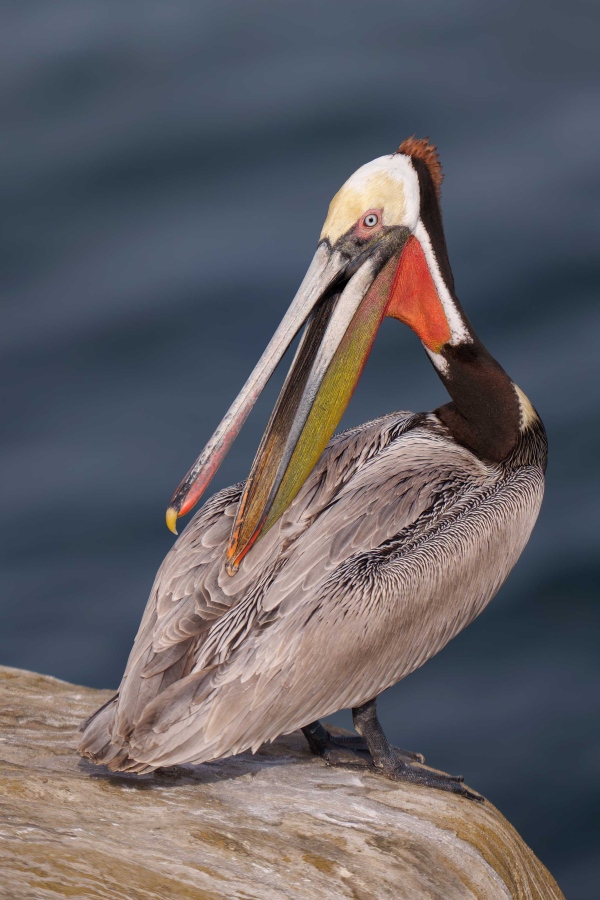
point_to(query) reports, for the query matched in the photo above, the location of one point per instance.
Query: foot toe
(415, 774)
(347, 756)
(409, 755)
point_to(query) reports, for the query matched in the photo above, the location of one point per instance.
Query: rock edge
(277, 825)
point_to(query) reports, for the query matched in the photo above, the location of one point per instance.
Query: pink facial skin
(366, 231)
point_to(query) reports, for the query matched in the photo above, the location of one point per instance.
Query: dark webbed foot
(356, 742)
(413, 773)
(347, 749)
(390, 764)
(372, 750)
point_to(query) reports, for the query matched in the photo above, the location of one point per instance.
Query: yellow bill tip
(171, 519)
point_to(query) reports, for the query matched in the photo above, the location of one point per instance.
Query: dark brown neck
(484, 414)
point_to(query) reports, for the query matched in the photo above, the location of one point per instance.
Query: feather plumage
(399, 537)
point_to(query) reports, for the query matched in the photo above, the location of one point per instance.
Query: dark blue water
(166, 168)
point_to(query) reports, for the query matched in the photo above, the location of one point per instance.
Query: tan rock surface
(280, 824)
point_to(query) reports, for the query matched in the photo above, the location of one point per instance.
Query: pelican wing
(179, 611)
(399, 537)
(191, 591)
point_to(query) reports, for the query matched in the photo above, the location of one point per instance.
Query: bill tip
(171, 519)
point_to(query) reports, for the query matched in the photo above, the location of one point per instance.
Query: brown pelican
(342, 564)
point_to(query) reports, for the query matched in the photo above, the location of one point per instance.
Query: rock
(280, 824)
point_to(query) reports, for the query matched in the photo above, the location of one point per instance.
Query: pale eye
(371, 220)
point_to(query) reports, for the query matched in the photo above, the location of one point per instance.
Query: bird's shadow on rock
(286, 751)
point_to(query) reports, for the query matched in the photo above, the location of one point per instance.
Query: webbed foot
(347, 749)
(370, 749)
(398, 769)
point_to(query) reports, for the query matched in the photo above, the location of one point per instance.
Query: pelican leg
(394, 764)
(346, 749)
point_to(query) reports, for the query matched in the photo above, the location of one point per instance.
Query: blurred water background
(166, 168)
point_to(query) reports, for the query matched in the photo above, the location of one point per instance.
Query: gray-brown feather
(397, 540)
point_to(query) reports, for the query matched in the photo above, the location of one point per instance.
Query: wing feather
(373, 567)
(256, 648)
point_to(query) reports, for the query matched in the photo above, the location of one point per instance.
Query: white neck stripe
(459, 333)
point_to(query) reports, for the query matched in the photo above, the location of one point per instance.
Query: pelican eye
(371, 220)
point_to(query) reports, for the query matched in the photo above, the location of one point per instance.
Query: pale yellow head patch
(388, 183)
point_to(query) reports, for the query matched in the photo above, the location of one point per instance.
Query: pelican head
(381, 252)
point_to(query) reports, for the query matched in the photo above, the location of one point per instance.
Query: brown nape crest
(423, 149)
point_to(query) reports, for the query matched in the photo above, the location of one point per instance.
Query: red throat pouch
(414, 298)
